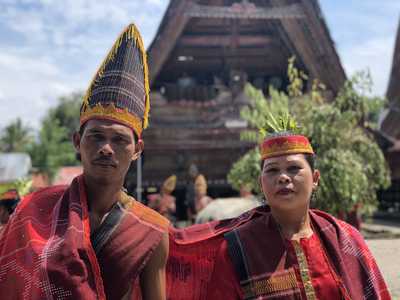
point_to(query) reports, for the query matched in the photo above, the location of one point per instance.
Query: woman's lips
(285, 191)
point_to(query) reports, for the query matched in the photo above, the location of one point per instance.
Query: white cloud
(51, 48)
(156, 2)
(29, 87)
(364, 33)
(374, 54)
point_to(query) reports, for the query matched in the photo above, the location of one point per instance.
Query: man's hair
(82, 130)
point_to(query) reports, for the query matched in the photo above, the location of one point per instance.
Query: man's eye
(119, 140)
(96, 136)
(271, 170)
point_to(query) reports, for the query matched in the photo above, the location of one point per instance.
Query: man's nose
(106, 149)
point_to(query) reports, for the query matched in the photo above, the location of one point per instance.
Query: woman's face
(287, 181)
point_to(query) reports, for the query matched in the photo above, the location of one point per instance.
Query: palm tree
(15, 137)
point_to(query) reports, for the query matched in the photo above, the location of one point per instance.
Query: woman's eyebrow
(271, 164)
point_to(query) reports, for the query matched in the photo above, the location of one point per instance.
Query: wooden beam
(245, 10)
(224, 41)
(268, 65)
(312, 43)
(166, 39)
(273, 49)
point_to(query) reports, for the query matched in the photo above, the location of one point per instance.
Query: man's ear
(139, 147)
(76, 140)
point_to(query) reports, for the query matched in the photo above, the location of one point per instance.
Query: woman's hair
(310, 158)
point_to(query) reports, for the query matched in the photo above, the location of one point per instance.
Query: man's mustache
(104, 160)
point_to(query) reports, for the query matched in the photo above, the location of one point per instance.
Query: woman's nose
(283, 178)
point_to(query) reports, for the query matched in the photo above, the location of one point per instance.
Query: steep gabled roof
(393, 90)
(298, 23)
(391, 123)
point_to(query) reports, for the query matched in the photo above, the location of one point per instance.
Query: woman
(287, 250)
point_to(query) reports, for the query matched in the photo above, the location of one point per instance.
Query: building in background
(200, 59)
(65, 175)
(390, 130)
(15, 172)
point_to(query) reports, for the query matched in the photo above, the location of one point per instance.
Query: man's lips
(284, 191)
(104, 163)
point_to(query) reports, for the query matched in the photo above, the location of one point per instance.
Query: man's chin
(104, 177)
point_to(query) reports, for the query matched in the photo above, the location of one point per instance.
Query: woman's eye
(271, 170)
(293, 168)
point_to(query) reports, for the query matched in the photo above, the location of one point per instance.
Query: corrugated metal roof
(65, 175)
(14, 166)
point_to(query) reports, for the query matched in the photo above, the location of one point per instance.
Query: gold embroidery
(304, 272)
(113, 113)
(286, 148)
(275, 283)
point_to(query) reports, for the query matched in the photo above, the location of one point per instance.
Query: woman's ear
(316, 178)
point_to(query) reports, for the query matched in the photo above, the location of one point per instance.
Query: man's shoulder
(46, 195)
(145, 213)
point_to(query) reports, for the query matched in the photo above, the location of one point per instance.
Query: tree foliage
(352, 165)
(15, 137)
(245, 171)
(54, 147)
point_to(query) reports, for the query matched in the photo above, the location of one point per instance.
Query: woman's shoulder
(328, 223)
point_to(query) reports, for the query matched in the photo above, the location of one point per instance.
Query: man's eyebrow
(94, 130)
(123, 134)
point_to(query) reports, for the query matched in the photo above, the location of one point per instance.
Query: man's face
(107, 150)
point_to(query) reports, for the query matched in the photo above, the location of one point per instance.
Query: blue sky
(50, 48)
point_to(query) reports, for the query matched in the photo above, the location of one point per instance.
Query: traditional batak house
(390, 130)
(202, 55)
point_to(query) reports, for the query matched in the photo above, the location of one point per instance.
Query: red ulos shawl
(46, 251)
(193, 253)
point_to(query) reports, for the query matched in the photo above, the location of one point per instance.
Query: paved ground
(387, 255)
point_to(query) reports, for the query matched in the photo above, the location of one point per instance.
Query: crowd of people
(91, 240)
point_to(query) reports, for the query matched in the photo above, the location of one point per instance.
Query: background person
(164, 203)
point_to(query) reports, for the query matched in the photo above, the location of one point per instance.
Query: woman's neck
(293, 225)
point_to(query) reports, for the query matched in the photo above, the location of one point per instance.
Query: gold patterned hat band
(119, 90)
(285, 144)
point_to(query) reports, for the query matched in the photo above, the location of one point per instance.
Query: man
(164, 202)
(90, 240)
